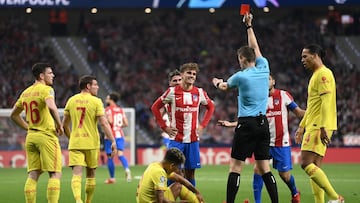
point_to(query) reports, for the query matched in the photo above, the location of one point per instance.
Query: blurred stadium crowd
(140, 52)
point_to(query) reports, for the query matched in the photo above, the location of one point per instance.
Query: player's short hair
(173, 73)
(247, 52)
(316, 49)
(271, 75)
(175, 156)
(39, 68)
(114, 96)
(85, 80)
(189, 66)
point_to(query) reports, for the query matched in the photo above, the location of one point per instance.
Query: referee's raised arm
(252, 41)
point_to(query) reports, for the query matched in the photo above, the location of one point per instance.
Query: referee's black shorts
(251, 136)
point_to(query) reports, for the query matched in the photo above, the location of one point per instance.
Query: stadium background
(131, 49)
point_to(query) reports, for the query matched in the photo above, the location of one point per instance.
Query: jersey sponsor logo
(186, 109)
(273, 113)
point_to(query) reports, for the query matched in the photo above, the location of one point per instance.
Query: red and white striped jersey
(184, 111)
(167, 121)
(117, 114)
(277, 114)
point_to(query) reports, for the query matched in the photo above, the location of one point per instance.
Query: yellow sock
(186, 194)
(319, 177)
(76, 187)
(90, 189)
(30, 190)
(317, 192)
(53, 190)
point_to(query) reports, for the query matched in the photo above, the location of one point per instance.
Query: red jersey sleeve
(155, 108)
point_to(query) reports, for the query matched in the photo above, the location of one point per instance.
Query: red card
(244, 9)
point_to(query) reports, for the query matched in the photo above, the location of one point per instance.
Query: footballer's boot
(296, 198)
(128, 175)
(339, 200)
(110, 181)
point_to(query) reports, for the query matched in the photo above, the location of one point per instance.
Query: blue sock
(111, 167)
(292, 186)
(169, 182)
(124, 162)
(257, 187)
(192, 181)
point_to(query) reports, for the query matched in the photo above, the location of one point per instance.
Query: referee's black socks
(271, 187)
(232, 187)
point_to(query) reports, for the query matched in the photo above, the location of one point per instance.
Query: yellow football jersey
(38, 116)
(321, 102)
(154, 178)
(83, 109)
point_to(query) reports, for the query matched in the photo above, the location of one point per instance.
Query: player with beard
(319, 122)
(43, 126)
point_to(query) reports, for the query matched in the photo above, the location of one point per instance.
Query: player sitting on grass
(153, 184)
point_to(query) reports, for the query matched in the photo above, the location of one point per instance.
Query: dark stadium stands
(139, 52)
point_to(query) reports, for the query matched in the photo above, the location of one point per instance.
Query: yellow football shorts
(312, 142)
(84, 157)
(43, 152)
(168, 194)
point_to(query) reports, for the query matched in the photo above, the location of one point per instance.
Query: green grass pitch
(211, 181)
